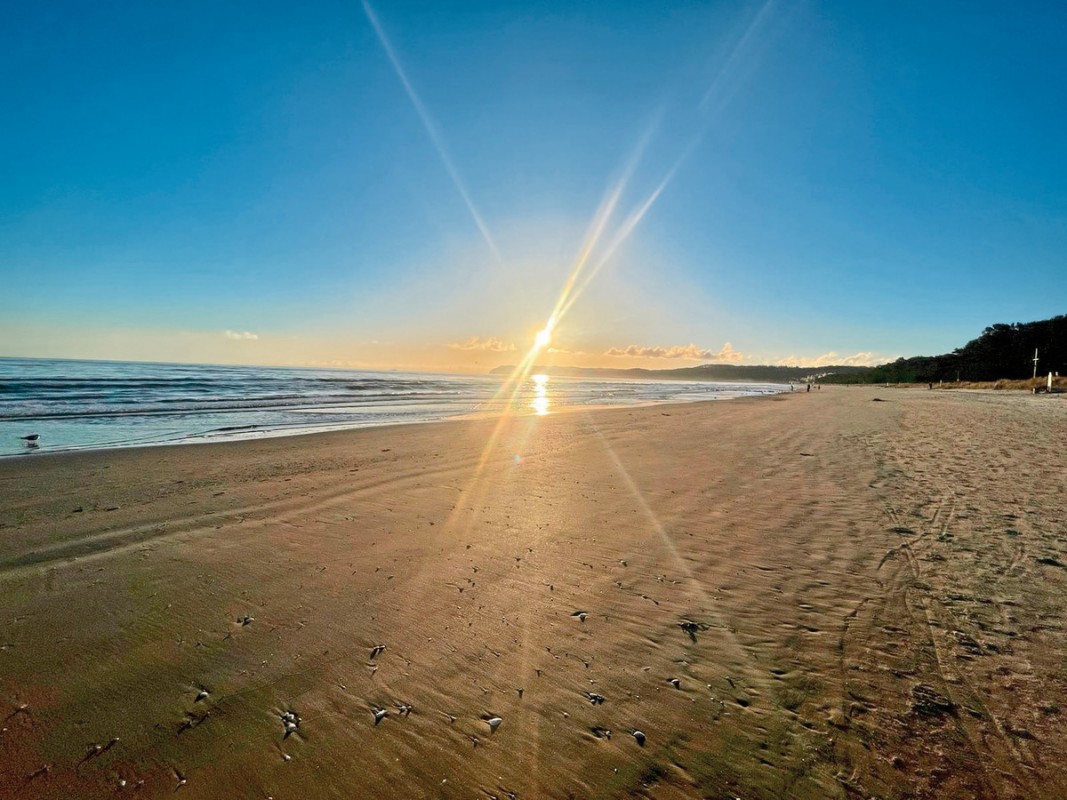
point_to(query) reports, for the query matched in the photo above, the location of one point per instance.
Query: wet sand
(807, 596)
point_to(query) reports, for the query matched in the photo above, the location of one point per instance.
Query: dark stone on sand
(967, 642)
(928, 702)
(691, 628)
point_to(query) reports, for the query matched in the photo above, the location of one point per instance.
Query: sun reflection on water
(540, 402)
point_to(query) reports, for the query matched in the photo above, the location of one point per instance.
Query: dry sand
(856, 599)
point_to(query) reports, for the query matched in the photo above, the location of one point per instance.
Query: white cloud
(241, 335)
(689, 352)
(491, 343)
(834, 359)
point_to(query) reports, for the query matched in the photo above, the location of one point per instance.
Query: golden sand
(811, 596)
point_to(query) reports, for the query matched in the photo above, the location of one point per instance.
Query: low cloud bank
(490, 344)
(241, 336)
(689, 352)
(835, 359)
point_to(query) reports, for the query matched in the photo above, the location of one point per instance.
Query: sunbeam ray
(693, 583)
(715, 93)
(431, 131)
(572, 290)
(597, 226)
(625, 230)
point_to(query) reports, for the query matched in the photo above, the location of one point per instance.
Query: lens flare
(432, 131)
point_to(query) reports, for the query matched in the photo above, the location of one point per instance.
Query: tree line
(1002, 351)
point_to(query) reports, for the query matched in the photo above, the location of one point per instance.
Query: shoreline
(282, 433)
(813, 596)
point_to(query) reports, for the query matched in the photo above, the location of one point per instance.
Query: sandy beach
(857, 592)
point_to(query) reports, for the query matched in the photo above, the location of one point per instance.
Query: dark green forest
(1002, 351)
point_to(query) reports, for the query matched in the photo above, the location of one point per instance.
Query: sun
(544, 336)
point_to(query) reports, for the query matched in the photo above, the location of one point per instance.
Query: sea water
(75, 405)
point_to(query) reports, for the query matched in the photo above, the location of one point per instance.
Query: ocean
(76, 405)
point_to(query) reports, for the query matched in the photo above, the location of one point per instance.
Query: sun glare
(543, 339)
(540, 402)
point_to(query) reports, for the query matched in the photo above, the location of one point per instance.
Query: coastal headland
(852, 592)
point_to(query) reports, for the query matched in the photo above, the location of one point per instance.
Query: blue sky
(254, 183)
